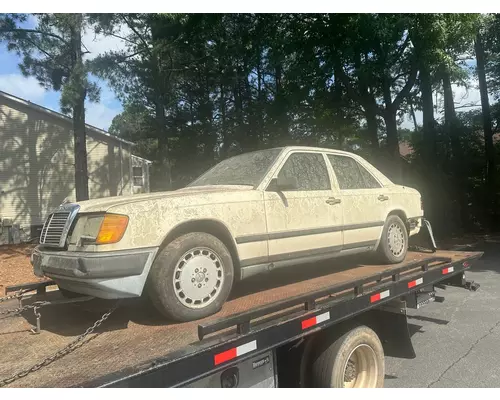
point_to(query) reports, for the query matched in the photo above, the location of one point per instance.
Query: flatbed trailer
(281, 330)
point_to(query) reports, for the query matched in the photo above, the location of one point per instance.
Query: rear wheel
(394, 241)
(352, 360)
(192, 277)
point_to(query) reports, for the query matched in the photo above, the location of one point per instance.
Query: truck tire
(191, 278)
(394, 241)
(352, 360)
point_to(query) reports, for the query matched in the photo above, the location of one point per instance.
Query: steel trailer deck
(136, 347)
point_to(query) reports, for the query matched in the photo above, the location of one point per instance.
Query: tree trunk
(161, 79)
(429, 133)
(222, 106)
(391, 124)
(452, 128)
(413, 116)
(282, 118)
(79, 134)
(488, 131)
(35, 208)
(372, 127)
(392, 133)
(450, 116)
(260, 106)
(163, 148)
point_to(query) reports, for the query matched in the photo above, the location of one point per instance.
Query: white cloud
(99, 115)
(20, 86)
(99, 44)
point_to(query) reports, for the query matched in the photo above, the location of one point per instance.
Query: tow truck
(331, 328)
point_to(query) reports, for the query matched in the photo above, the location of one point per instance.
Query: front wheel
(394, 241)
(191, 278)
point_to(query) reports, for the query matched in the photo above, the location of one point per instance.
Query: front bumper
(108, 275)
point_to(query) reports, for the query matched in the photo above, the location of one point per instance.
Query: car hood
(104, 204)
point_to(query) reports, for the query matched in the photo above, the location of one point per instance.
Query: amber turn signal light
(112, 228)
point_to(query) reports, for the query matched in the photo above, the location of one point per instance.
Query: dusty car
(247, 215)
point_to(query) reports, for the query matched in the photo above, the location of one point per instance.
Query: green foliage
(197, 88)
(47, 53)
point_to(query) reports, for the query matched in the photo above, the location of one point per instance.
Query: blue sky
(13, 82)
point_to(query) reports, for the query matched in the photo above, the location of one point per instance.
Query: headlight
(112, 228)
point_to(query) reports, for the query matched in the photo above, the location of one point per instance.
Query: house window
(138, 178)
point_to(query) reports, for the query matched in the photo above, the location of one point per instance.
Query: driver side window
(309, 169)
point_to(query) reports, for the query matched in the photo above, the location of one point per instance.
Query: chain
(15, 295)
(78, 342)
(16, 311)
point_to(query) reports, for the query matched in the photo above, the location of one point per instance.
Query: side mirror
(282, 183)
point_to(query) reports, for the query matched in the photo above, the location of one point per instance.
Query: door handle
(383, 197)
(332, 201)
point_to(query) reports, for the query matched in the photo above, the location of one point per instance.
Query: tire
(354, 359)
(183, 273)
(393, 251)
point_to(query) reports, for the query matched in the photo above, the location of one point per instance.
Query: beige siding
(105, 167)
(98, 167)
(127, 170)
(36, 171)
(37, 164)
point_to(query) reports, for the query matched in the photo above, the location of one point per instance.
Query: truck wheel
(394, 241)
(353, 360)
(191, 278)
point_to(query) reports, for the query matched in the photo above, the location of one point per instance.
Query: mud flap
(391, 326)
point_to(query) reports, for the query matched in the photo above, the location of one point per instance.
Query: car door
(364, 202)
(304, 221)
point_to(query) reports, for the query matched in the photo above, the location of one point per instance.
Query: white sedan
(247, 215)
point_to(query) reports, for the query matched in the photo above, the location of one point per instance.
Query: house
(37, 165)
(140, 174)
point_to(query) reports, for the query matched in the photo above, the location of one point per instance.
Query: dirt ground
(15, 267)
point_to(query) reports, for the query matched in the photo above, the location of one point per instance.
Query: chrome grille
(56, 227)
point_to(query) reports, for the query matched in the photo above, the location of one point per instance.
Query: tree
(238, 82)
(481, 61)
(142, 72)
(377, 68)
(53, 53)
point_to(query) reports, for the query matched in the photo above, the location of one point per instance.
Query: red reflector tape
(307, 323)
(379, 296)
(447, 270)
(416, 282)
(235, 352)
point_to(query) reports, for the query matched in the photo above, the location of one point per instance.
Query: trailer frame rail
(296, 317)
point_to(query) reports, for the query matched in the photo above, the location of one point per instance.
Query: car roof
(322, 149)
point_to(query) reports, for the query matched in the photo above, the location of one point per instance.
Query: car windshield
(245, 169)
